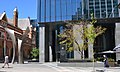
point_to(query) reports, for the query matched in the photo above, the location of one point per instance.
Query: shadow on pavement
(114, 68)
(7, 67)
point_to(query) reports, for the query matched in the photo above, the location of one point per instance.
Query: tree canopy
(79, 34)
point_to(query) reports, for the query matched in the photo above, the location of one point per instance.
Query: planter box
(111, 64)
(33, 60)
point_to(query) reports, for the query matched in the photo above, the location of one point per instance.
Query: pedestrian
(6, 61)
(105, 61)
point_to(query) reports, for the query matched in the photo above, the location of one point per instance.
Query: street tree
(78, 35)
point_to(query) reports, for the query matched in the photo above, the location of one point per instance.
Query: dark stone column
(46, 43)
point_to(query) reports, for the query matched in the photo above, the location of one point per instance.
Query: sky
(26, 8)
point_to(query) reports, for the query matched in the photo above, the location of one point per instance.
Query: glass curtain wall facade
(103, 8)
(62, 10)
(57, 10)
(100, 8)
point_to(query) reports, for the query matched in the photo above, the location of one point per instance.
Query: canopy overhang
(101, 21)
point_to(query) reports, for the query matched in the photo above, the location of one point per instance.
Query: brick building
(19, 27)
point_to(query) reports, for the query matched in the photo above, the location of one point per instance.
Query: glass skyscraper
(57, 10)
(103, 8)
(52, 13)
(100, 8)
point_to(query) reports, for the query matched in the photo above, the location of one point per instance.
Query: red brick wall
(9, 47)
(26, 50)
(1, 48)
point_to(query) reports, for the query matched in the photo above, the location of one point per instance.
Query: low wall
(82, 64)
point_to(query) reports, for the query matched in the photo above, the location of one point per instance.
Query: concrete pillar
(117, 39)
(41, 44)
(50, 54)
(19, 50)
(90, 51)
(77, 56)
(50, 43)
(47, 43)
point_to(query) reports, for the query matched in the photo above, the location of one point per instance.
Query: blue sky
(25, 8)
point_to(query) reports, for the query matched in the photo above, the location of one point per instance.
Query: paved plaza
(52, 67)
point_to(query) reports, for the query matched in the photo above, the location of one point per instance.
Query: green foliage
(92, 32)
(99, 59)
(111, 60)
(85, 31)
(67, 38)
(35, 53)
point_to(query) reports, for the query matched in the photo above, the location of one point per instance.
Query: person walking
(6, 62)
(105, 61)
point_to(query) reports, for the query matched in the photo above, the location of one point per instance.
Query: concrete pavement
(52, 67)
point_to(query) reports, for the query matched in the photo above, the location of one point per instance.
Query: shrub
(35, 53)
(111, 60)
